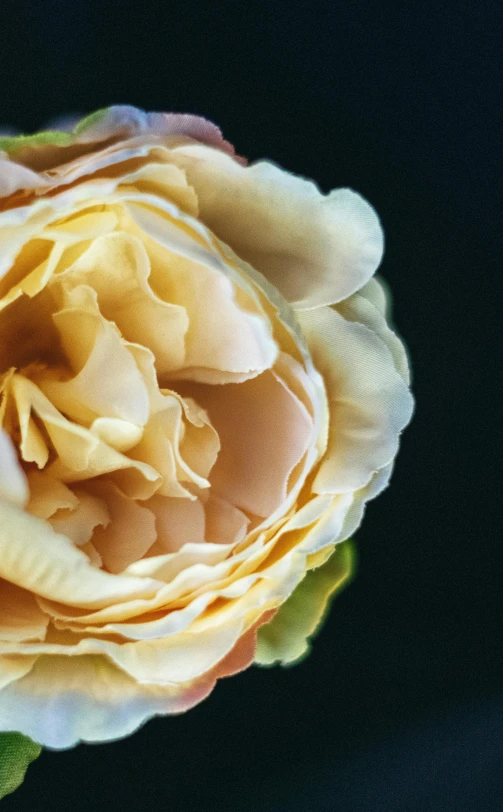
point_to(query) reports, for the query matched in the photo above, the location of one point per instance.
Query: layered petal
(315, 249)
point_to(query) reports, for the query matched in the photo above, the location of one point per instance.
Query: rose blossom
(200, 391)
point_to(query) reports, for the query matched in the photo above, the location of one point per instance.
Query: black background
(400, 705)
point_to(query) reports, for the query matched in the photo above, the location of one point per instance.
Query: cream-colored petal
(33, 282)
(361, 308)
(165, 180)
(117, 267)
(377, 294)
(193, 278)
(106, 381)
(79, 522)
(120, 434)
(195, 570)
(84, 226)
(13, 668)
(36, 558)
(316, 249)
(14, 177)
(168, 565)
(20, 615)
(80, 454)
(264, 431)
(369, 401)
(48, 495)
(162, 446)
(92, 553)
(13, 482)
(199, 444)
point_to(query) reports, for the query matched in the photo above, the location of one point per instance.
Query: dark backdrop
(400, 705)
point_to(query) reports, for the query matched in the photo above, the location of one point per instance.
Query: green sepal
(91, 120)
(49, 137)
(16, 754)
(55, 138)
(286, 639)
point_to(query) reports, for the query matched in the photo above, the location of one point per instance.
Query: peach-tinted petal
(178, 522)
(20, 615)
(225, 524)
(128, 535)
(264, 431)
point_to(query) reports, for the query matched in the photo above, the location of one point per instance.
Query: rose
(200, 391)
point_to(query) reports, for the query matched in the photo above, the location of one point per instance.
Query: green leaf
(286, 639)
(16, 753)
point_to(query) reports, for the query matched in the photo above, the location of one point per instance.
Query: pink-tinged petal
(126, 121)
(315, 249)
(242, 655)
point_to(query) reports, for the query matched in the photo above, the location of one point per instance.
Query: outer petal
(316, 249)
(369, 307)
(64, 700)
(369, 401)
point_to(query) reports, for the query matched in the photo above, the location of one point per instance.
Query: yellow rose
(199, 393)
